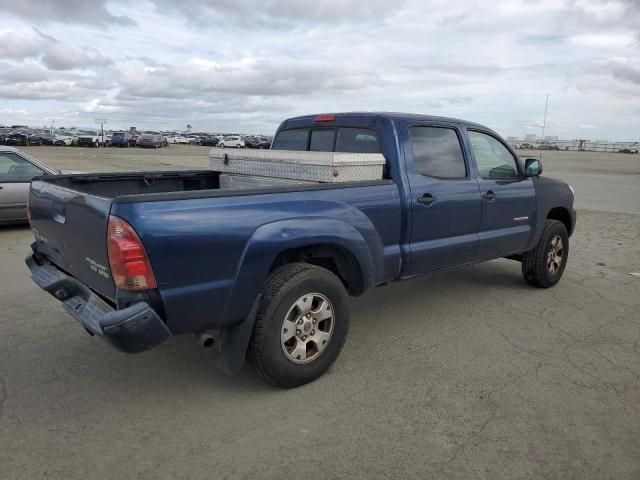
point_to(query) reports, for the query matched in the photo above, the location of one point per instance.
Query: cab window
(437, 152)
(494, 160)
(322, 140)
(341, 139)
(357, 140)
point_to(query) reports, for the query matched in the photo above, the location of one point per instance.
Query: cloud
(33, 44)
(248, 77)
(247, 64)
(275, 11)
(626, 72)
(65, 11)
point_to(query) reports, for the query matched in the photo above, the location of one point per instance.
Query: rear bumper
(133, 329)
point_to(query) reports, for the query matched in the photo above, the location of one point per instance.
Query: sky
(246, 65)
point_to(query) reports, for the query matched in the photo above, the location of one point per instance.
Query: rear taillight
(130, 266)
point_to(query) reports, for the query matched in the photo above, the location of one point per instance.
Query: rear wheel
(301, 325)
(544, 265)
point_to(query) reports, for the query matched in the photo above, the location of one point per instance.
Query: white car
(89, 138)
(65, 139)
(177, 139)
(232, 141)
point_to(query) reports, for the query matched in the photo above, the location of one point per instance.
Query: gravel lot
(466, 374)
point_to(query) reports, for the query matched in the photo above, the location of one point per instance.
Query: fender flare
(261, 250)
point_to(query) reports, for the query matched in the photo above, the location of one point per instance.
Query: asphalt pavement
(466, 374)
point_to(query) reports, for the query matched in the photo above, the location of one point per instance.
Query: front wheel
(301, 325)
(544, 265)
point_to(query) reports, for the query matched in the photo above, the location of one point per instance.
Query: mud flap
(234, 342)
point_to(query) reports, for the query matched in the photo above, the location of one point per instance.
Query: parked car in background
(24, 137)
(177, 140)
(628, 150)
(16, 171)
(262, 143)
(66, 139)
(48, 136)
(89, 138)
(151, 141)
(123, 139)
(527, 146)
(233, 141)
(209, 140)
(549, 146)
(4, 133)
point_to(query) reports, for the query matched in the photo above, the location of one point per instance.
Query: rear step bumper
(132, 329)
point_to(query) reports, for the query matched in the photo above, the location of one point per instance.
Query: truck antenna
(544, 122)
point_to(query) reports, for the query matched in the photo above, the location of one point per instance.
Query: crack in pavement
(483, 426)
(3, 396)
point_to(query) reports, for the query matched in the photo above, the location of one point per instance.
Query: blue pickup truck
(266, 274)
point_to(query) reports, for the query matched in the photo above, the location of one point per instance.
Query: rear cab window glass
(322, 140)
(357, 140)
(346, 139)
(437, 152)
(295, 139)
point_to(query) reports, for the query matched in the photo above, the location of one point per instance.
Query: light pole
(102, 122)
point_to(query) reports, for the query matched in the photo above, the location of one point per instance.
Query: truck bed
(173, 185)
(112, 185)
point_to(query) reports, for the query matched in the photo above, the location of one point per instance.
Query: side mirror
(532, 167)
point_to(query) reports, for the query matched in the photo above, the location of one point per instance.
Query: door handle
(427, 199)
(489, 196)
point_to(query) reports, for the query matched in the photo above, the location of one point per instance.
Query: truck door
(508, 197)
(445, 199)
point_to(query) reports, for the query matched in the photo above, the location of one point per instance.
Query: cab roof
(370, 117)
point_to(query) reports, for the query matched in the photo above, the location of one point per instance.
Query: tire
(222, 145)
(238, 146)
(544, 265)
(276, 359)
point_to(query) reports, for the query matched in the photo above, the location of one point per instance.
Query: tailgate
(70, 228)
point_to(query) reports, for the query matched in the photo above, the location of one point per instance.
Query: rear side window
(295, 139)
(357, 140)
(437, 152)
(322, 140)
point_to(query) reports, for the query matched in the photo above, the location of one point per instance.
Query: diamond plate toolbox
(230, 181)
(327, 167)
